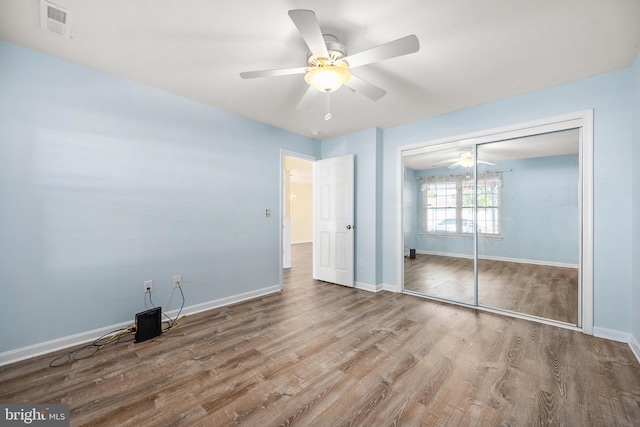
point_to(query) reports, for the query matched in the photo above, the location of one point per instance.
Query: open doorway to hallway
(297, 210)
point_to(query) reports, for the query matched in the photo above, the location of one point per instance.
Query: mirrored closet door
(496, 224)
(439, 227)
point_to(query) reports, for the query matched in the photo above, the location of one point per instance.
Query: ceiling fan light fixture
(466, 160)
(328, 77)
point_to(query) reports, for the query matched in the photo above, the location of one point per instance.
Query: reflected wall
(508, 238)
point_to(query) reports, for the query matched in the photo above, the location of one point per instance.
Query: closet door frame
(582, 120)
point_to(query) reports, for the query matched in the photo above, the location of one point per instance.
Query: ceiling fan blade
(272, 73)
(307, 24)
(306, 99)
(403, 46)
(365, 88)
(486, 163)
(454, 165)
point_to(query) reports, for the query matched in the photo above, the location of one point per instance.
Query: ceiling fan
(329, 65)
(465, 160)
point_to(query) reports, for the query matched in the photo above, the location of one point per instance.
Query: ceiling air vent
(55, 19)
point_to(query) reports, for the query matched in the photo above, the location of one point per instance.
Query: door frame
(286, 153)
(581, 119)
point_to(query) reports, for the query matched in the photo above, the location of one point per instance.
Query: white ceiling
(472, 52)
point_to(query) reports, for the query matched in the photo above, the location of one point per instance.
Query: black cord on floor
(91, 349)
(113, 337)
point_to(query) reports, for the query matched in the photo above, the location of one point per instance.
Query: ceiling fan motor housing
(336, 50)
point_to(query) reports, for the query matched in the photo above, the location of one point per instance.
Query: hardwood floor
(319, 354)
(537, 290)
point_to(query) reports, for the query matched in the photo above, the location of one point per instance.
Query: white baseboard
(376, 288)
(391, 288)
(300, 242)
(34, 350)
(210, 305)
(499, 258)
(529, 261)
(367, 287)
(611, 334)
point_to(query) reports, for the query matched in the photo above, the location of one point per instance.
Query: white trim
(518, 130)
(377, 288)
(400, 219)
(499, 258)
(222, 302)
(301, 242)
(635, 347)
(529, 261)
(580, 119)
(391, 288)
(38, 349)
(367, 287)
(611, 334)
(586, 206)
(34, 350)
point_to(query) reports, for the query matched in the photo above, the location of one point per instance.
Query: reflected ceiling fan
(465, 160)
(328, 64)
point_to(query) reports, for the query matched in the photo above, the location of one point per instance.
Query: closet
(501, 222)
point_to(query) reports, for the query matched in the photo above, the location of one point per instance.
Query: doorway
(501, 221)
(318, 210)
(297, 207)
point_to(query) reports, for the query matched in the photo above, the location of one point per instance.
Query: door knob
(348, 227)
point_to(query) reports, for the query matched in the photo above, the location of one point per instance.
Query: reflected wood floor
(538, 290)
(319, 354)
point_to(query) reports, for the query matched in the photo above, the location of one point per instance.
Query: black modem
(148, 324)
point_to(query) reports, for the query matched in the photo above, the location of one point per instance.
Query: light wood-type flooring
(537, 290)
(319, 354)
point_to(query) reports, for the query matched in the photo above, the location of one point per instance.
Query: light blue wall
(539, 213)
(365, 145)
(636, 200)
(106, 183)
(609, 95)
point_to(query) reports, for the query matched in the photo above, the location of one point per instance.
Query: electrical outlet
(177, 281)
(361, 262)
(148, 286)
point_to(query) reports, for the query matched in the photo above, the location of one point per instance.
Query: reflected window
(448, 203)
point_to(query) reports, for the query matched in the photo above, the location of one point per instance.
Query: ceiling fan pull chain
(327, 116)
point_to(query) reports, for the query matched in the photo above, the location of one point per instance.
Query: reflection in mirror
(523, 212)
(438, 224)
(529, 262)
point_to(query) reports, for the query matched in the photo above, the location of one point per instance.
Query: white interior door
(333, 220)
